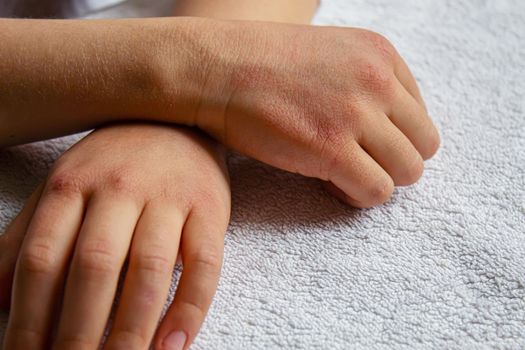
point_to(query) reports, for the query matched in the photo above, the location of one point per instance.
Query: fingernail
(175, 341)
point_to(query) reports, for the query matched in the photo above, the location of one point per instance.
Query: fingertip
(433, 144)
(378, 193)
(411, 172)
(175, 340)
(188, 311)
(178, 329)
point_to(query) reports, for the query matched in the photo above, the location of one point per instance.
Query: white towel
(442, 265)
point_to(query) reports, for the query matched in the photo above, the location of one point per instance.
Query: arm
(338, 104)
(62, 76)
(79, 172)
(59, 77)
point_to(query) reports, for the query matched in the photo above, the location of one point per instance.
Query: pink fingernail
(175, 341)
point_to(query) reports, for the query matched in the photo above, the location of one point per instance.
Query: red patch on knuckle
(375, 78)
(64, 183)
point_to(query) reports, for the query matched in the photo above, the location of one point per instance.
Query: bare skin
(338, 104)
(270, 99)
(136, 203)
(106, 198)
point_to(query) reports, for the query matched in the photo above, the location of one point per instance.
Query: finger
(91, 285)
(405, 76)
(393, 151)
(152, 259)
(40, 269)
(202, 251)
(10, 243)
(339, 194)
(363, 181)
(411, 118)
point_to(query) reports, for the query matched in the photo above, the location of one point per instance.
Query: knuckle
(65, 183)
(153, 263)
(329, 141)
(97, 258)
(381, 44)
(25, 335)
(120, 181)
(206, 260)
(190, 307)
(206, 197)
(327, 132)
(38, 258)
(376, 78)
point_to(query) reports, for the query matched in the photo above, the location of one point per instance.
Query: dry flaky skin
(333, 103)
(125, 192)
(337, 104)
(129, 169)
(320, 102)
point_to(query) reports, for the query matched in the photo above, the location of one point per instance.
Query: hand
(338, 104)
(124, 192)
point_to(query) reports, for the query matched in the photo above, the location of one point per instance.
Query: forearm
(290, 11)
(62, 76)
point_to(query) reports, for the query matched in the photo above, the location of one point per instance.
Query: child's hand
(124, 192)
(338, 104)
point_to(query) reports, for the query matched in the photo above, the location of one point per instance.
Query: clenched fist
(338, 104)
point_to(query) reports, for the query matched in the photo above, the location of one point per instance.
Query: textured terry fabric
(441, 265)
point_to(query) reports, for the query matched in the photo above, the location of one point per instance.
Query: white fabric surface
(442, 265)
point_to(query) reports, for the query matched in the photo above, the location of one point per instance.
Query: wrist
(175, 68)
(195, 90)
